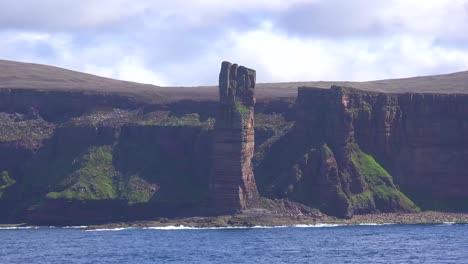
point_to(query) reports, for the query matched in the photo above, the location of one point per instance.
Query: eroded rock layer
(349, 149)
(233, 185)
(73, 158)
(419, 138)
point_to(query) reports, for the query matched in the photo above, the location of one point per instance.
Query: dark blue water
(345, 244)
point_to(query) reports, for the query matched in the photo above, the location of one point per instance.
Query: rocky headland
(255, 155)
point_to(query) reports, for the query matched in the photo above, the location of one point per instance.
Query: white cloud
(279, 58)
(183, 42)
(63, 15)
(131, 69)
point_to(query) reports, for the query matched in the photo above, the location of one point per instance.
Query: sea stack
(232, 184)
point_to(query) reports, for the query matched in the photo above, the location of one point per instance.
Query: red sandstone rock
(420, 139)
(233, 184)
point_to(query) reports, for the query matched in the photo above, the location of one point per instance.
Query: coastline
(252, 220)
(256, 219)
(286, 221)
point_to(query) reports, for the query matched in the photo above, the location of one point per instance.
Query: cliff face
(74, 158)
(420, 139)
(233, 184)
(110, 164)
(347, 144)
(89, 174)
(59, 104)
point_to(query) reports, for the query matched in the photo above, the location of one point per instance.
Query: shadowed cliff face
(233, 184)
(320, 163)
(111, 164)
(89, 174)
(74, 158)
(420, 139)
(347, 144)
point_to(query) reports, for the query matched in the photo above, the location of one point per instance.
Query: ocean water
(447, 243)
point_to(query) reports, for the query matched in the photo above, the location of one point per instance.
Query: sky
(183, 42)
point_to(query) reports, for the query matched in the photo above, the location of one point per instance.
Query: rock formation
(73, 157)
(327, 156)
(420, 139)
(233, 185)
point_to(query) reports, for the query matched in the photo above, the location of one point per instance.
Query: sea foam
(18, 227)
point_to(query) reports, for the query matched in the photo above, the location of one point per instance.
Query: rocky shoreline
(273, 213)
(260, 218)
(264, 219)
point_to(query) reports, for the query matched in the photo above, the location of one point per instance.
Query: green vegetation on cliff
(164, 118)
(97, 179)
(137, 190)
(93, 180)
(5, 182)
(188, 120)
(381, 188)
(370, 169)
(355, 185)
(145, 167)
(241, 109)
(120, 117)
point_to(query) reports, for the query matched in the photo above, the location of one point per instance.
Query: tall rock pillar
(232, 181)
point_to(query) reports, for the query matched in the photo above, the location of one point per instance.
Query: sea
(372, 243)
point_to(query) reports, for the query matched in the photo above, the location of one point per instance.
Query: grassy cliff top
(19, 75)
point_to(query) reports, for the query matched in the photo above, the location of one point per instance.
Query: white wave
(317, 225)
(449, 223)
(75, 227)
(375, 224)
(109, 229)
(153, 228)
(267, 227)
(18, 227)
(182, 227)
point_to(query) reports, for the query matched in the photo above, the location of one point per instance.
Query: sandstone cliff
(70, 157)
(233, 184)
(111, 164)
(348, 148)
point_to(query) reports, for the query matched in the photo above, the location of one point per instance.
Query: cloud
(374, 19)
(336, 18)
(279, 58)
(66, 15)
(132, 69)
(182, 42)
